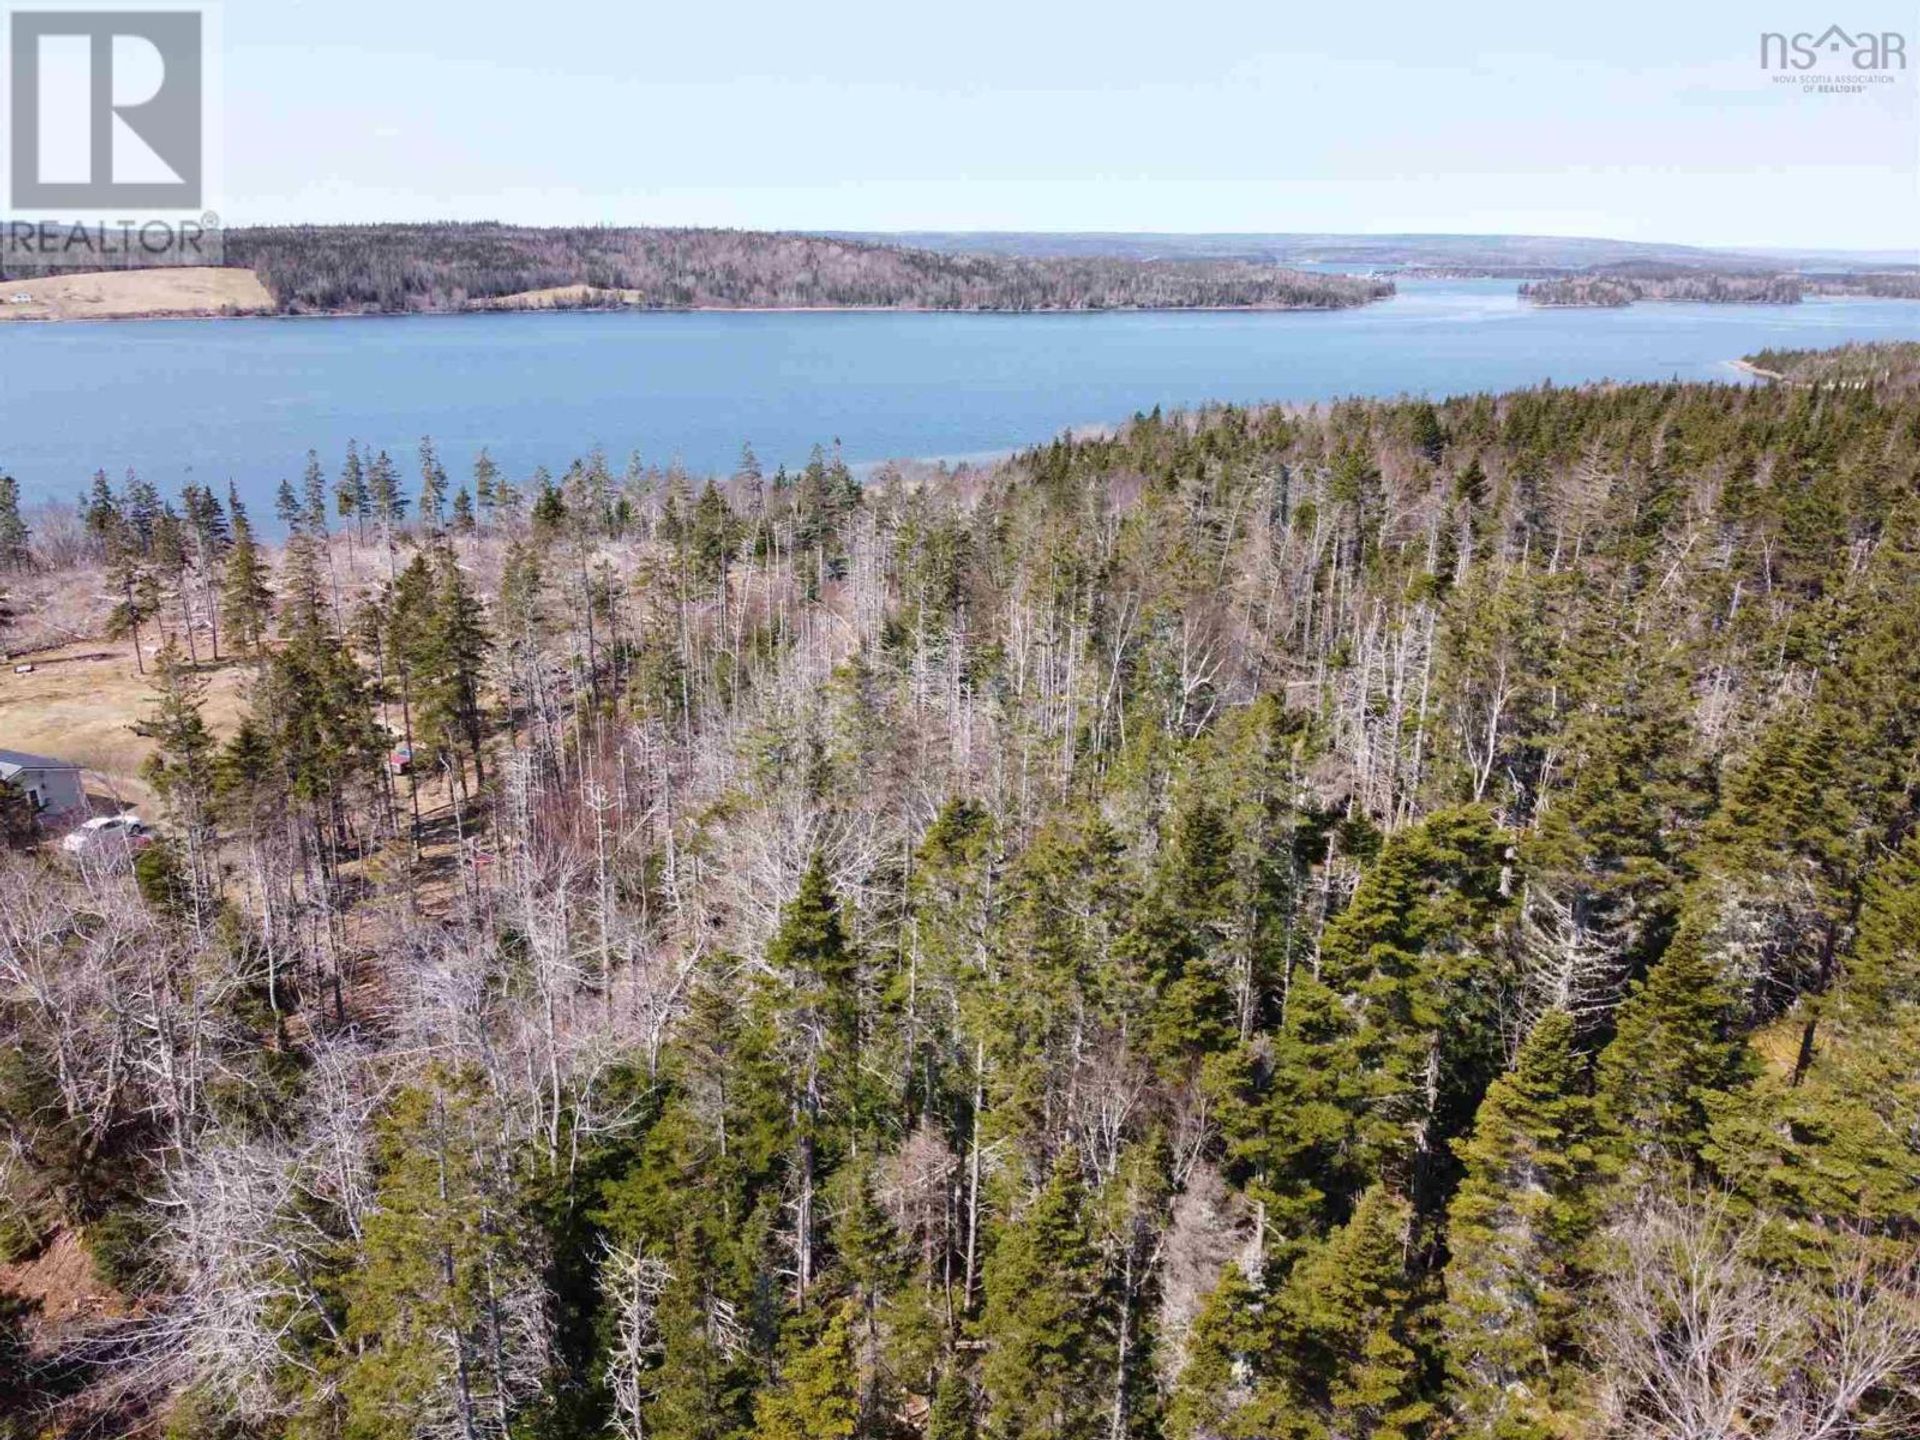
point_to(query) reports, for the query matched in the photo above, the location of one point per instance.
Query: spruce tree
(1677, 1043)
(351, 498)
(950, 1417)
(313, 496)
(100, 509)
(444, 1326)
(1042, 1282)
(288, 509)
(246, 604)
(809, 1006)
(15, 552)
(1414, 958)
(181, 769)
(384, 494)
(1220, 1351)
(136, 593)
(713, 536)
(486, 482)
(1342, 1356)
(433, 485)
(1883, 970)
(817, 1396)
(440, 641)
(172, 568)
(1515, 1234)
(1176, 938)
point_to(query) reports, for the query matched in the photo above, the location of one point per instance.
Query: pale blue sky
(1631, 119)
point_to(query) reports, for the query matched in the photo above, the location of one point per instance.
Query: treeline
(1394, 920)
(401, 268)
(1892, 364)
(1614, 289)
(1890, 285)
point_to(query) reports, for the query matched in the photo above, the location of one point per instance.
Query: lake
(245, 399)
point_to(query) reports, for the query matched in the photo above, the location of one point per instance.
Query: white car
(107, 833)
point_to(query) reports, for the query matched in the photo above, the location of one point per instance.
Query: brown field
(132, 294)
(558, 297)
(80, 704)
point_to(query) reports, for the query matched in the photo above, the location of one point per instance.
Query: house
(52, 785)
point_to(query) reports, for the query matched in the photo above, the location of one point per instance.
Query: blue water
(244, 400)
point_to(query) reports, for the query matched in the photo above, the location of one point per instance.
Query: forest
(1626, 285)
(1886, 285)
(1389, 919)
(331, 269)
(1891, 364)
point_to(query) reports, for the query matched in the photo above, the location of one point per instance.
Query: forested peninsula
(1394, 919)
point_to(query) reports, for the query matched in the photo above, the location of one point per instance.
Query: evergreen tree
(433, 485)
(1342, 1353)
(713, 535)
(1178, 930)
(811, 1004)
(951, 1415)
(486, 482)
(246, 604)
(100, 509)
(817, 1396)
(352, 499)
(750, 485)
(549, 507)
(15, 552)
(703, 1389)
(1516, 1230)
(136, 593)
(313, 496)
(384, 495)
(1042, 1282)
(172, 571)
(141, 509)
(288, 509)
(181, 769)
(206, 520)
(1677, 1044)
(440, 641)
(1414, 959)
(1220, 1353)
(1883, 970)
(444, 1319)
(303, 593)
(453, 664)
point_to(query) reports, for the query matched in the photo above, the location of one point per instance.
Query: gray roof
(22, 760)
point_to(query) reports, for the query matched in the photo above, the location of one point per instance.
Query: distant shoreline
(476, 310)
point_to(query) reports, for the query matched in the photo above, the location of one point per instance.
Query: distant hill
(1497, 253)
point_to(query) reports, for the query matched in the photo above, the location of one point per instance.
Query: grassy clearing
(134, 294)
(81, 701)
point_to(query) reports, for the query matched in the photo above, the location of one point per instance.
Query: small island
(1615, 289)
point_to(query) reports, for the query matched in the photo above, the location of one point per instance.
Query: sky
(1632, 120)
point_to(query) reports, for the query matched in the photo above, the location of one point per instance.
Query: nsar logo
(1865, 50)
